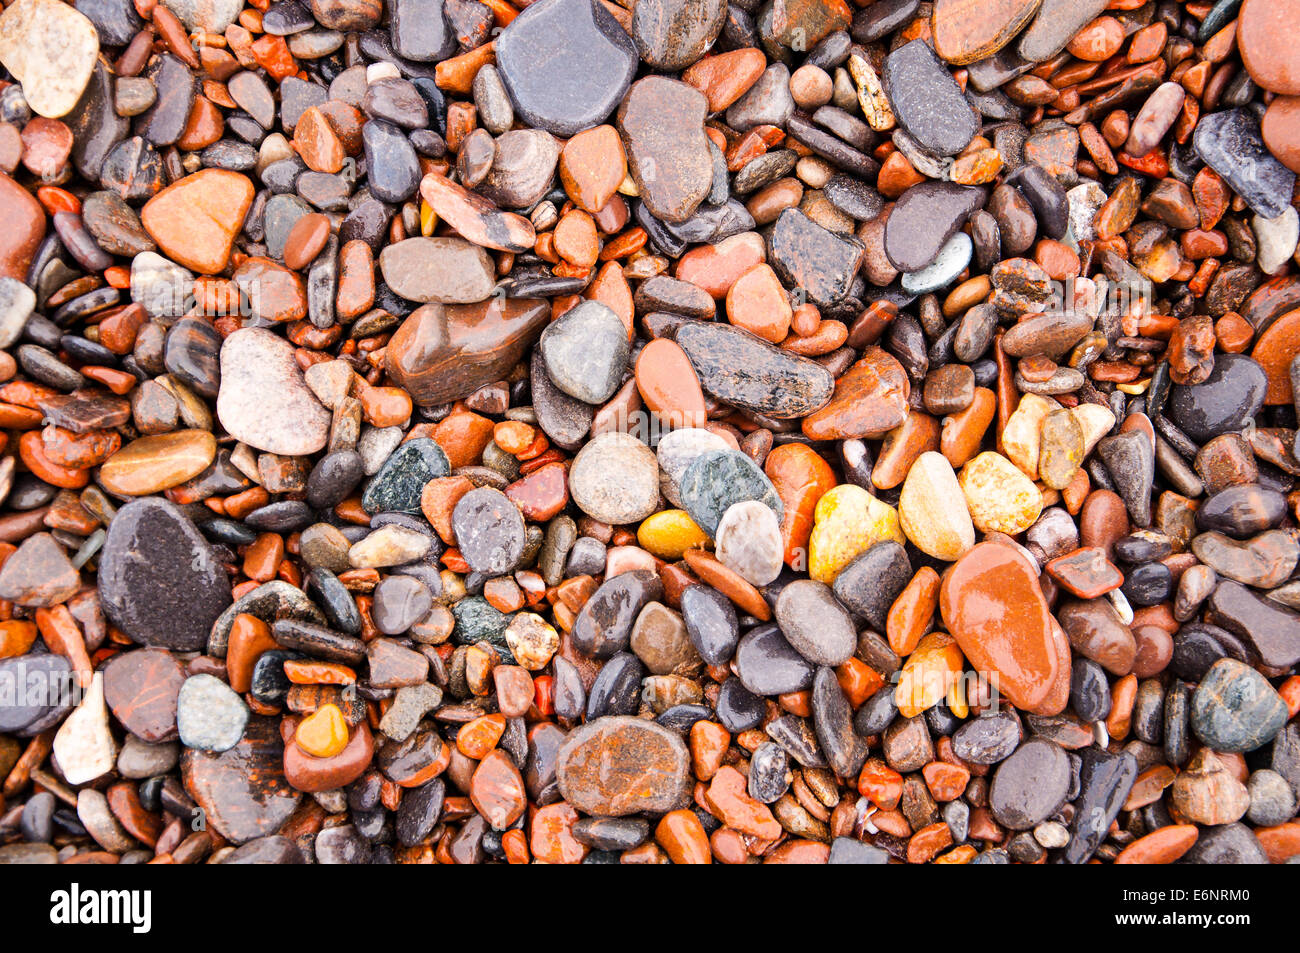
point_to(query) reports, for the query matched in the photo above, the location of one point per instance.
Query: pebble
(171, 601)
(615, 479)
(1235, 709)
(927, 101)
(991, 603)
(446, 270)
(1229, 142)
(748, 541)
(923, 221)
(736, 367)
(398, 484)
(569, 32)
(662, 124)
(217, 198)
(814, 623)
(84, 745)
(586, 352)
(716, 480)
(209, 716)
(616, 766)
(1231, 395)
(264, 401)
(51, 49)
(932, 509)
(1030, 786)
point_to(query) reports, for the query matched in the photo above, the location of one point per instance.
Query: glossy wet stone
(443, 353)
(1235, 709)
(398, 484)
(661, 121)
(264, 400)
(923, 221)
(1229, 142)
(718, 479)
(807, 256)
(991, 603)
(586, 352)
(1223, 402)
(768, 665)
(243, 790)
(605, 623)
(616, 766)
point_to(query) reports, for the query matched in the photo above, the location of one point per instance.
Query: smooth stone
(604, 625)
(844, 749)
(39, 573)
(808, 256)
(264, 400)
(400, 481)
(869, 584)
(1229, 142)
(51, 49)
(1224, 402)
(662, 124)
(443, 353)
(992, 605)
(716, 480)
(615, 479)
(490, 531)
(1030, 786)
(711, 623)
(242, 791)
(748, 541)
(84, 746)
(1271, 629)
(141, 687)
(1105, 780)
(616, 766)
(596, 62)
(209, 715)
(767, 664)
(815, 624)
(1234, 708)
(923, 221)
(586, 352)
(1055, 25)
(446, 270)
(927, 101)
(522, 169)
(173, 598)
(673, 34)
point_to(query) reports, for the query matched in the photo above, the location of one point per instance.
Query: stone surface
(615, 766)
(159, 580)
(264, 400)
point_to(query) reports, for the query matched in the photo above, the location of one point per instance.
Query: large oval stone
(264, 400)
(621, 765)
(993, 607)
(565, 64)
(159, 581)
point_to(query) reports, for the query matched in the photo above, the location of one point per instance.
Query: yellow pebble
(929, 674)
(324, 733)
(848, 520)
(1000, 497)
(669, 533)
